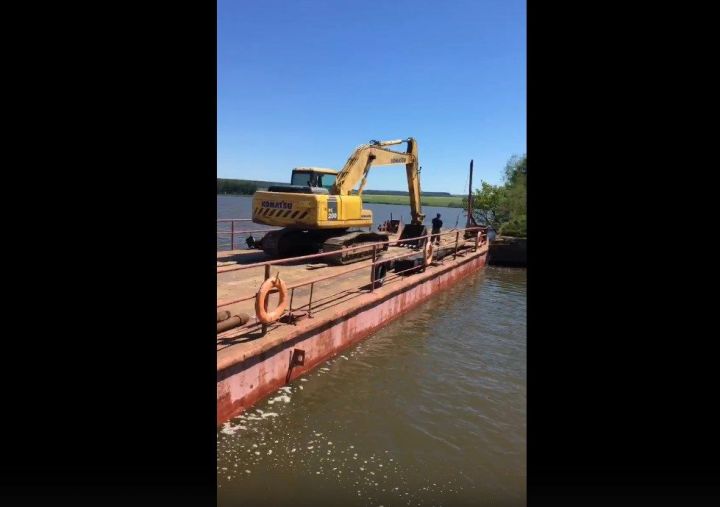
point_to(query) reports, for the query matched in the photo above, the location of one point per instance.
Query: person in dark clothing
(436, 226)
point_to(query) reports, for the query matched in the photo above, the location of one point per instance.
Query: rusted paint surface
(243, 381)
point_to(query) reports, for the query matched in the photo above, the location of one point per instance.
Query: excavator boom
(374, 153)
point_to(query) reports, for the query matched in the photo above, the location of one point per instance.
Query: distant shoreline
(452, 201)
(426, 200)
(227, 186)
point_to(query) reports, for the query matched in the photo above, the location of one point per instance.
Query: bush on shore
(504, 207)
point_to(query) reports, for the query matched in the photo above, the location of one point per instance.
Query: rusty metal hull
(242, 381)
(508, 251)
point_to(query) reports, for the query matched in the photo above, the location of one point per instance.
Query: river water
(428, 411)
(240, 206)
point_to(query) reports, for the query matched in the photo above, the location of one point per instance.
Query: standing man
(436, 226)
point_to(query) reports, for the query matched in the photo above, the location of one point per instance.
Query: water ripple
(429, 411)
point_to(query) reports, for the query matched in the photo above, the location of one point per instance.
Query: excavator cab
(308, 180)
(314, 177)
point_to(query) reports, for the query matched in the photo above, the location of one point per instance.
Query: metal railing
(478, 234)
(233, 232)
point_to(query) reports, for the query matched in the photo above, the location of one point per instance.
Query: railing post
(267, 275)
(310, 302)
(372, 269)
(457, 240)
(477, 239)
(232, 235)
(430, 239)
(291, 319)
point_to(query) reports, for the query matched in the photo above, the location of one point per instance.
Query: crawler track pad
(352, 239)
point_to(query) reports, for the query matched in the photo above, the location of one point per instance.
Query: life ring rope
(261, 300)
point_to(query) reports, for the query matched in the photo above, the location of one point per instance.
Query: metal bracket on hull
(297, 358)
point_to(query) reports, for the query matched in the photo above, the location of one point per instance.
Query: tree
(235, 187)
(515, 169)
(504, 207)
(515, 204)
(489, 205)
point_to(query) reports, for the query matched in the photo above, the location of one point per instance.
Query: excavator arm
(374, 153)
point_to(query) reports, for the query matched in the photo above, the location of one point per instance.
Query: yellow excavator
(320, 207)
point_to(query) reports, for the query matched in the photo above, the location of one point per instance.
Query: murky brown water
(428, 411)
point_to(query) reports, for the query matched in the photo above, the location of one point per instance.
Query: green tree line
(248, 187)
(235, 187)
(504, 207)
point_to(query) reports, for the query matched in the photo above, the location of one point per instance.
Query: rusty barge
(267, 338)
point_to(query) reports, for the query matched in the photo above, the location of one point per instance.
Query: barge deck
(330, 308)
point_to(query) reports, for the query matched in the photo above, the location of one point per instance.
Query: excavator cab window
(310, 179)
(305, 179)
(328, 180)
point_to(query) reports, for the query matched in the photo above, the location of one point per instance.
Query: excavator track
(290, 243)
(341, 243)
(293, 242)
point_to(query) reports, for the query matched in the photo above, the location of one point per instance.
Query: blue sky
(302, 83)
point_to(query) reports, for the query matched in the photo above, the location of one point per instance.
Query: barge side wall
(241, 385)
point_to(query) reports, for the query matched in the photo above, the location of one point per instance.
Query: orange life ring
(261, 299)
(428, 252)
